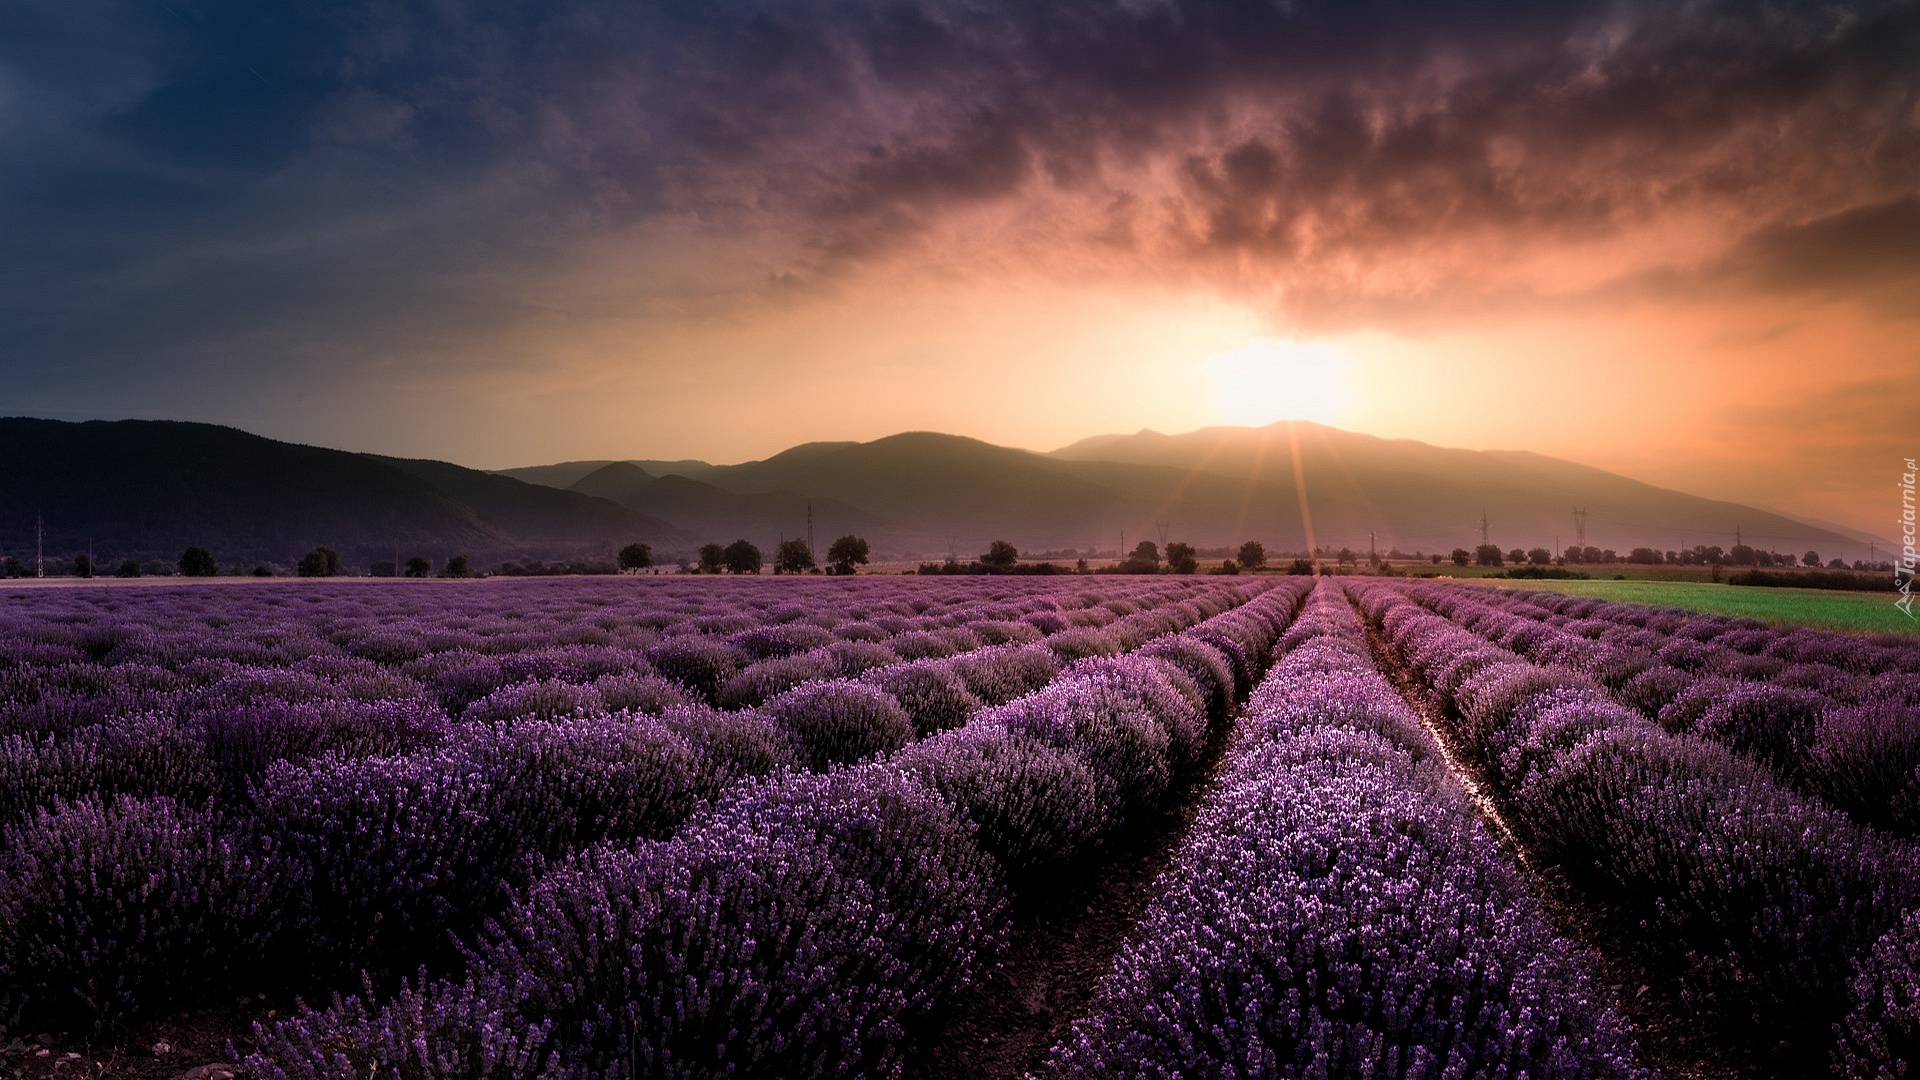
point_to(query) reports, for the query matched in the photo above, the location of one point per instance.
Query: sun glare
(1266, 380)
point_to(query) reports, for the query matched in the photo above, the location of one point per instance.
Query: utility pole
(809, 526)
(1580, 526)
(1373, 553)
(89, 556)
(1736, 536)
(1483, 529)
(39, 546)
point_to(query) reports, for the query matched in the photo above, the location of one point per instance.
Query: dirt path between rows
(1671, 1038)
(1062, 946)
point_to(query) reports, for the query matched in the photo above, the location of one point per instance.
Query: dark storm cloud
(193, 182)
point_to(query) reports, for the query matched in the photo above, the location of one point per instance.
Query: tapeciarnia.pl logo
(1903, 570)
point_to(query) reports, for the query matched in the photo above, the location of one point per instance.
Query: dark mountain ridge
(146, 489)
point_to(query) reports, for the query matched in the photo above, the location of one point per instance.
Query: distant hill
(720, 515)
(1216, 487)
(148, 489)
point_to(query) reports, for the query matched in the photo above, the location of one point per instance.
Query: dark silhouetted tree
(1516, 556)
(83, 566)
(1145, 559)
(1461, 556)
(846, 553)
(636, 557)
(742, 558)
(1811, 558)
(1253, 555)
(419, 566)
(320, 562)
(128, 568)
(1181, 558)
(1539, 556)
(197, 561)
(1487, 555)
(1301, 566)
(713, 558)
(459, 566)
(792, 557)
(1000, 555)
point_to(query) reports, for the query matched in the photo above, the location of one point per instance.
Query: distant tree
(1346, 557)
(1181, 558)
(458, 567)
(1742, 555)
(636, 557)
(1461, 556)
(1487, 555)
(198, 562)
(1539, 556)
(1436, 558)
(128, 568)
(1516, 556)
(792, 557)
(320, 562)
(1811, 558)
(1575, 555)
(846, 553)
(383, 568)
(262, 570)
(1253, 555)
(1227, 566)
(83, 566)
(1642, 555)
(742, 558)
(1001, 555)
(713, 558)
(1145, 559)
(1301, 566)
(419, 566)
(1836, 564)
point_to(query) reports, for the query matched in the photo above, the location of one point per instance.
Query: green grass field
(1827, 609)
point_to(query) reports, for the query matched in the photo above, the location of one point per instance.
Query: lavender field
(808, 828)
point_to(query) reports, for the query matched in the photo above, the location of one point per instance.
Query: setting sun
(1265, 381)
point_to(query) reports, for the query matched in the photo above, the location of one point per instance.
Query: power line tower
(1483, 529)
(1163, 527)
(1580, 527)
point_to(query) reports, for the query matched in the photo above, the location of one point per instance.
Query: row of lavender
(1775, 917)
(75, 658)
(211, 725)
(1339, 909)
(226, 860)
(1836, 716)
(807, 924)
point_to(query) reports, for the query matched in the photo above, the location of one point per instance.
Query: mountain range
(146, 489)
(920, 494)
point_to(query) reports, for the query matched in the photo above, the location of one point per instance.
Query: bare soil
(202, 1045)
(1063, 944)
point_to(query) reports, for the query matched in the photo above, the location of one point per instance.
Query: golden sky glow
(1678, 242)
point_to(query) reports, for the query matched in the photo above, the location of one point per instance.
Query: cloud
(224, 178)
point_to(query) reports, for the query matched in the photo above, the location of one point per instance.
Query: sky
(1678, 240)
